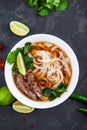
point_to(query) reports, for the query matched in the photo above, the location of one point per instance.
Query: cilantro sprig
(44, 6)
(11, 59)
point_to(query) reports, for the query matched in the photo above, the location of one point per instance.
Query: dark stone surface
(71, 26)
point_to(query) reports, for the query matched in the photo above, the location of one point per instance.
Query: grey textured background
(71, 26)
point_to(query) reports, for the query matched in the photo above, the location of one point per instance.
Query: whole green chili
(84, 110)
(79, 97)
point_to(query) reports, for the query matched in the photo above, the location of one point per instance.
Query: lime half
(20, 64)
(19, 28)
(19, 107)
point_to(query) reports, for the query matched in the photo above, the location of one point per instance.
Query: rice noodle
(51, 64)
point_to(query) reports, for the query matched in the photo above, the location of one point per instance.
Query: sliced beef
(30, 77)
(37, 90)
(34, 86)
(29, 86)
(32, 95)
(21, 84)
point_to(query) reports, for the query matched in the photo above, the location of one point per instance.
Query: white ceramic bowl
(75, 72)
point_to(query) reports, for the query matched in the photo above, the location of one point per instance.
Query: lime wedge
(20, 64)
(19, 107)
(19, 28)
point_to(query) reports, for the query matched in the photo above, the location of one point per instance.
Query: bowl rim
(75, 72)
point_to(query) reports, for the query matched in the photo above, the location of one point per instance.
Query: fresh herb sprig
(52, 94)
(44, 6)
(12, 56)
(11, 59)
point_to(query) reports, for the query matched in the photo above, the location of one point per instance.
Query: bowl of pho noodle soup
(53, 76)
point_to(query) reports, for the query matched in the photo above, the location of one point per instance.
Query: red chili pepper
(1, 47)
(32, 126)
(2, 64)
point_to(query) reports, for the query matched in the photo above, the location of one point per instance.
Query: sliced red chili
(1, 47)
(2, 64)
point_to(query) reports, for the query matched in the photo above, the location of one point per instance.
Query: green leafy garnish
(43, 6)
(32, 3)
(62, 5)
(52, 94)
(48, 92)
(15, 69)
(61, 88)
(43, 12)
(28, 62)
(11, 59)
(26, 48)
(12, 56)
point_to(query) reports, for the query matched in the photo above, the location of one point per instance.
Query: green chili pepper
(79, 97)
(84, 110)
